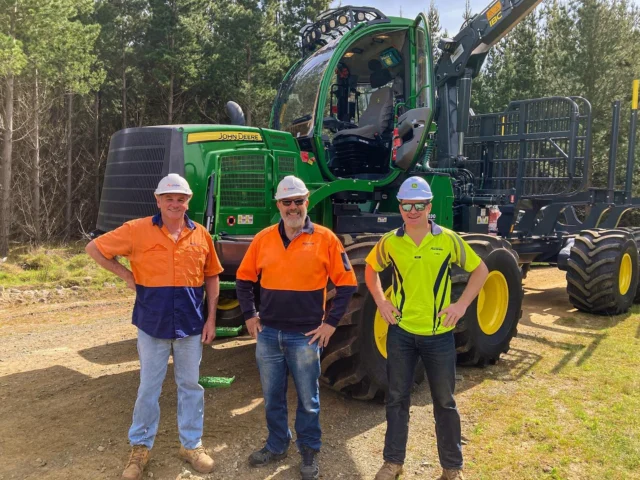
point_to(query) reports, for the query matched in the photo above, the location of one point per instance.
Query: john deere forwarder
(354, 117)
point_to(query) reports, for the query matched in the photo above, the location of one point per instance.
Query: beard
(293, 221)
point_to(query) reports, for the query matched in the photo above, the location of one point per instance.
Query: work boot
(263, 457)
(389, 471)
(309, 468)
(198, 458)
(137, 461)
(451, 474)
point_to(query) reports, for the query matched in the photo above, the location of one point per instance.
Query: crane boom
(461, 60)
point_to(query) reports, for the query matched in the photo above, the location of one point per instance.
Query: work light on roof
(336, 22)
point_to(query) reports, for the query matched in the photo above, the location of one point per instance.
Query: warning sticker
(245, 219)
(456, 53)
(494, 13)
(483, 220)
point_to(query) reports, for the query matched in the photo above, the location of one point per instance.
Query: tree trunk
(249, 96)
(69, 163)
(5, 209)
(5, 162)
(124, 88)
(96, 147)
(171, 81)
(35, 214)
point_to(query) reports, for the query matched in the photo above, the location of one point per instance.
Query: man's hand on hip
(322, 334)
(453, 313)
(389, 312)
(253, 325)
(209, 331)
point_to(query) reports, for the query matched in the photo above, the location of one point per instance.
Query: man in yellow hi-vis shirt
(421, 321)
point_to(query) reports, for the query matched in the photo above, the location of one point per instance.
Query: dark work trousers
(438, 353)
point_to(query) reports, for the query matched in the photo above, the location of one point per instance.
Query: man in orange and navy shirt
(294, 259)
(171, 259)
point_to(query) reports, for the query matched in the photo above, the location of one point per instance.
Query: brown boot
(389, 471)
(451, 474)
(198, 458)
(137, 461)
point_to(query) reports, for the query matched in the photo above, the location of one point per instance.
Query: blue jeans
(278, 353)
(438, 354)
(154, 356)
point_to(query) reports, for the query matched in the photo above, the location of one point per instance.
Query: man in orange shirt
(171, 258)
(295, 260)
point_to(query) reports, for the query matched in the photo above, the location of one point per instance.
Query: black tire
(474, 346)
(228, 313)
(594, 282)
(352, 363)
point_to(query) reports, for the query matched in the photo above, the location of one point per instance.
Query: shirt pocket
(155, 261)
(194, 257)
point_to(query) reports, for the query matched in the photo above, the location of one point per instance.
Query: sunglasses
(420, 207)
(298, 202)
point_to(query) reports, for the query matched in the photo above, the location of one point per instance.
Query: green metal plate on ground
(228, 331)
(216, 382)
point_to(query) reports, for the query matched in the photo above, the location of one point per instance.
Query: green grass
(581, 422)
(49, 266)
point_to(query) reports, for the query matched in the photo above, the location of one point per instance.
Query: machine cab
(362, 98)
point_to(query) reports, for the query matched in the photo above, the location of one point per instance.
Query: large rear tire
(355, 363)
(602, 271)
(352, 363)
(491, 321)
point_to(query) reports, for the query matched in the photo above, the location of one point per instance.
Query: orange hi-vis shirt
(169, 275)
(293, 277)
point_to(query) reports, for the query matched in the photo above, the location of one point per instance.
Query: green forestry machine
(363, 109)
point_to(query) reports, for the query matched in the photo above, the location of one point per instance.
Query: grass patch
(577, 422)
(53, 265)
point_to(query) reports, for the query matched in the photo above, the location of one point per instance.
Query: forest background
(73, 72)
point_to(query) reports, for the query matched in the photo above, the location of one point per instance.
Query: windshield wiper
(304, 118)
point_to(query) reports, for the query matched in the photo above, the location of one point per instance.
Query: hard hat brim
(164, 192)
(416, 198)
(299, 194)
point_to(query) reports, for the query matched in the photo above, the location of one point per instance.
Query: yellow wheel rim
(626, 273)
(493, 301)
(227, 303)
(381, 328)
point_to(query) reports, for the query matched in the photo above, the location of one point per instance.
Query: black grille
(138, 158)
(242, 181)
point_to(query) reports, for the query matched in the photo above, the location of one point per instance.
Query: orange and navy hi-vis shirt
(293, 277)
(169, 275)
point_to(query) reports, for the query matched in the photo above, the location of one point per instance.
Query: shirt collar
(435, 229)
(157, 220)
(306, 228)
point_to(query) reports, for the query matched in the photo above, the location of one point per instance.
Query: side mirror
(235, 113)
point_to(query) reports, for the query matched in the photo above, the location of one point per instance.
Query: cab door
(413, 126)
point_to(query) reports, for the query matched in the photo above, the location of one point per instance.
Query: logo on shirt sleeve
(345, 261)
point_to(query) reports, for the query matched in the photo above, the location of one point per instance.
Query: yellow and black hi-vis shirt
(422, 274)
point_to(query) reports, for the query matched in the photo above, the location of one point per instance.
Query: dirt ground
(69, 374)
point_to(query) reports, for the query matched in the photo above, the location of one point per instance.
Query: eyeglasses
(420, 207)
(298, 202)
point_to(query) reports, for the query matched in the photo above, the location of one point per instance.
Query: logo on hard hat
(414, 185)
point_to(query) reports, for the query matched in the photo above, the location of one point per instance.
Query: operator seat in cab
(364, 150)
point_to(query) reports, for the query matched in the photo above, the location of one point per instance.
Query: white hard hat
(291, 186)
(415, 188)
(173, 183)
